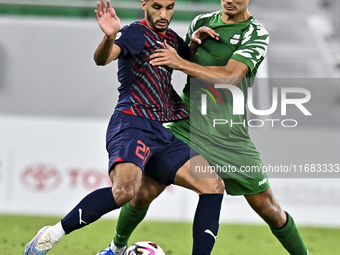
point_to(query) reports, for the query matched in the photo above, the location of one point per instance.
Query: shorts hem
(265, 188)
(175, 170)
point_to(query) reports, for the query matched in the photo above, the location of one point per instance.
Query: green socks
(290, 237)
(128, 220)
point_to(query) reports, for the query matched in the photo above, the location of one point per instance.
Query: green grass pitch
(174, 238)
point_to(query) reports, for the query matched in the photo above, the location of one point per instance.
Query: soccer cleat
(40, 244)
(108, 251)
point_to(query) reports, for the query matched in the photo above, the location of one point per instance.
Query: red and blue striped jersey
(146, 90)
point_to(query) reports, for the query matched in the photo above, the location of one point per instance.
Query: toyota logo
(41, 177)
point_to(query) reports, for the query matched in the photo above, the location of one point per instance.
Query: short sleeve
(130, 39)
(253, 47)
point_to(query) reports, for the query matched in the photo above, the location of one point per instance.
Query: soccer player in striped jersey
(234, 46)
(137, 142)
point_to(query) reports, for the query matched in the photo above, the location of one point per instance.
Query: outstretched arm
(234, 69)
(109, 22)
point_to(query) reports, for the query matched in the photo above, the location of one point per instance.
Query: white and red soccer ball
(144, 248)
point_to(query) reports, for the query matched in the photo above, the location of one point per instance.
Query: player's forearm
(104, 52)
(198, 71)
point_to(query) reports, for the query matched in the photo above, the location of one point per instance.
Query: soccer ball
(144, 248)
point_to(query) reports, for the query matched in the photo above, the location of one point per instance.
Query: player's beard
(153, 23)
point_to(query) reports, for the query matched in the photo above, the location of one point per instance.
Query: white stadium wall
(52, 140)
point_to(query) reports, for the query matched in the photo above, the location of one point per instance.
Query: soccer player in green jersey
(233, 50)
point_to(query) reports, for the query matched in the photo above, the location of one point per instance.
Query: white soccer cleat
(40, 244)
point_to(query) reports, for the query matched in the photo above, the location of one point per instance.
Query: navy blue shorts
(148, 144)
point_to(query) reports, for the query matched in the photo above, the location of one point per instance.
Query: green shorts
(238, 166)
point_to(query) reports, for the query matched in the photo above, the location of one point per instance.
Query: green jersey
(246, 42)
(228, 143)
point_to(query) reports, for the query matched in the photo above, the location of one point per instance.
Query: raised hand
(107, 19)
(202, 33)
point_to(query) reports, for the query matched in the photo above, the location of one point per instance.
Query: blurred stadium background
(55, 104)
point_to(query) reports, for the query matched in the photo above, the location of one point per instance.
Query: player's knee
(213, 186)
(126, 179)
(219, 186)
(124, 193)
(143, 199)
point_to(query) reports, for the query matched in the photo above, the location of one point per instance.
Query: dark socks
(206, 223)
(89, 209)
